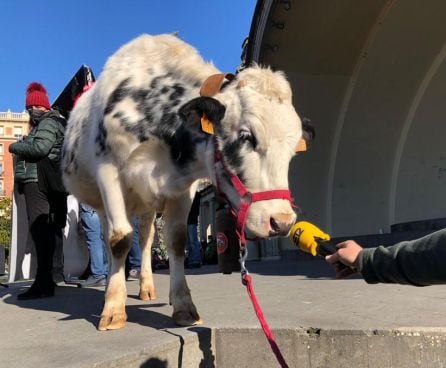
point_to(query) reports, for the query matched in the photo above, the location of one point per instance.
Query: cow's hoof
(147, 294)
(112, 322)
(187, 319)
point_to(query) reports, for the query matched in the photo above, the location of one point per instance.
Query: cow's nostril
(275, 226)
(279, 226)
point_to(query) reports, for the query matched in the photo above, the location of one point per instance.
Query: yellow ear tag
(206, 125)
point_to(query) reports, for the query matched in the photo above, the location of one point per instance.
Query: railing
(9, 115)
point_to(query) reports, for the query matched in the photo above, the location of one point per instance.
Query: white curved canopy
(371, 75)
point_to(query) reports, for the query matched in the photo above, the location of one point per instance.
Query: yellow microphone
(311, 239)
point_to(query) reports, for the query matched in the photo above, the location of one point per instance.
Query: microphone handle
(327, 248)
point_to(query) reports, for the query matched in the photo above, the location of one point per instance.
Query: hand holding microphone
(347, 255)
(313, 240)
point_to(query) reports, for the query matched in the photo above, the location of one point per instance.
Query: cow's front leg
(119, 238)
(146, 234)
(113, 315)
(184, 310)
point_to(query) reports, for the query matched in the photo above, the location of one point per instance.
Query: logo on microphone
(297, 234)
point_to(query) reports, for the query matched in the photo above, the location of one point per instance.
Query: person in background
(97, 250)
(418, 262)
(45, 197)
(134, 255)
(193, 246)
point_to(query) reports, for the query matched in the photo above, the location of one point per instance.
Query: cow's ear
(214, 84)
(202, 113)
(308, 135)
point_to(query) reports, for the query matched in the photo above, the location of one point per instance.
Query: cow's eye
(245, 135)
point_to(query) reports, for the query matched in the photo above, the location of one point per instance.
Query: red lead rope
(246, 199)
(247, 280)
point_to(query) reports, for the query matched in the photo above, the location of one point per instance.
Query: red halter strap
(247, 198)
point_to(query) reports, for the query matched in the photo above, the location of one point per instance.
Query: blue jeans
(134, 256)
(95, 241)
(193, 245)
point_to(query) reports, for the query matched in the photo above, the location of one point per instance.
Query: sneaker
(58, 278)
(134, 274)
(92, 282)
(73, 280)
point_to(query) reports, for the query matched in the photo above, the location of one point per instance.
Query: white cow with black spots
(134, 146)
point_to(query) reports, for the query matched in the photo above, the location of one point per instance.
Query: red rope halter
(246, 197)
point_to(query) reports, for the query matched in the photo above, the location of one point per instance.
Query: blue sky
(48, 40)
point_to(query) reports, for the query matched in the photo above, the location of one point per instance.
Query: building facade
(13, 126)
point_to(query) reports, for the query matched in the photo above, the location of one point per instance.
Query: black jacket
(418, 262)
(42, 146)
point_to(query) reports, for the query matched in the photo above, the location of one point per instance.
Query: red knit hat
(36, 96)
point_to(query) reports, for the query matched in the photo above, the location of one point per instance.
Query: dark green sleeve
(40, 146)
(418, 262)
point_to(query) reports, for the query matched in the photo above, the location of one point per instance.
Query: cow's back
(147, 56)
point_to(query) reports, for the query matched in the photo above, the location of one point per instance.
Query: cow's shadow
(70, 301)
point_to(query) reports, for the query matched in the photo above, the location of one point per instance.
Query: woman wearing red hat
(37, 177)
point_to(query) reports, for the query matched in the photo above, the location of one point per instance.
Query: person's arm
(418, 262)
(39, 147)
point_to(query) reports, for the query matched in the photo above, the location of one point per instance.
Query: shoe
(134, 274)
(37, 291)
(92, 282)
(73, 280)
(58, 278)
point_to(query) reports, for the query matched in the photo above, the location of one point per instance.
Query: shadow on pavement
(86, 303)
(311, 269)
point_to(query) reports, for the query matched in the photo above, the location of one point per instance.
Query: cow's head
(257, 130)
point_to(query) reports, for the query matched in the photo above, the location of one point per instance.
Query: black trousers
(46, 214)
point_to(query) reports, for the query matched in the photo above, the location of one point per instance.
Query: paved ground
(298, 297)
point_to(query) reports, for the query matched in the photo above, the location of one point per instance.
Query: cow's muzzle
(281, 224)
